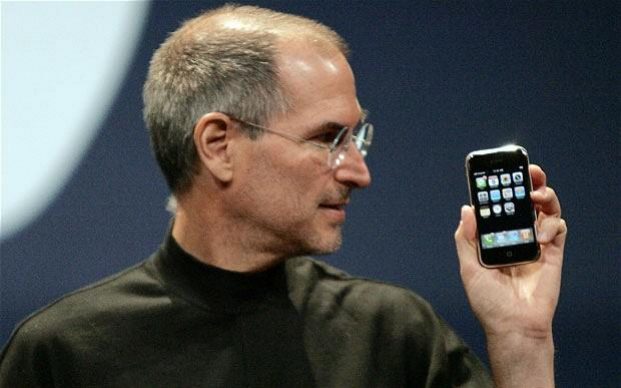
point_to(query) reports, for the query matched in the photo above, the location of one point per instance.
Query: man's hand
(515, 305)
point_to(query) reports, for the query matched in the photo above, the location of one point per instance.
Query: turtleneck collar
(214, 288)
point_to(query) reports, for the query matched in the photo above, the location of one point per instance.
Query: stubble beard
(321, 244)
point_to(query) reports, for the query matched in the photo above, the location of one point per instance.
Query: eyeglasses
(336, 142)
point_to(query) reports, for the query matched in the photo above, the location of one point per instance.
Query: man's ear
(212, 135)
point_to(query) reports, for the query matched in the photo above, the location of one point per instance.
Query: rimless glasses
(336, 142)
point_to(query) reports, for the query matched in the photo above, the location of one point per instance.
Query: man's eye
(326, 137)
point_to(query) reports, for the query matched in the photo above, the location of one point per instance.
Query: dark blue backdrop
(440, 79)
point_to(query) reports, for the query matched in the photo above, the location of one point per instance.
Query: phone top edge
(504, 148)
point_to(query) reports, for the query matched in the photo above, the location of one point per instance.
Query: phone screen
(500, 188)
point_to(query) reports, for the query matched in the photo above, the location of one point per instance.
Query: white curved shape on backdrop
(62, 66)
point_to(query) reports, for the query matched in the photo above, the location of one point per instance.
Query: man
(255, 123)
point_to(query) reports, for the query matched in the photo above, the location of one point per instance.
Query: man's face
(286, 196)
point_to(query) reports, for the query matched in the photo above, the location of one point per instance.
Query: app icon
(483, 197)
(497, 209)
(526, 235)
(488, 240)
(518, 178)
(520, 193)
(481, 182)
(485, 212)
(507, 193)
(509, 208)
(501, 237)
(514, 236)
(495, 195)
(505, 179)
(492, 181)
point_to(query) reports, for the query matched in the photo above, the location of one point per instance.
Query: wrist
(518, 334)
(520, 359)
(518, 344)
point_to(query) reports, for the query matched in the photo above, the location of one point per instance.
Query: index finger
(537, 175)
(544, 198)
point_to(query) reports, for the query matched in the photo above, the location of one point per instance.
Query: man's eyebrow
(335, 126)
(331, 126)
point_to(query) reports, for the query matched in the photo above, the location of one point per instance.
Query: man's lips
(336, 206)
(334, 210)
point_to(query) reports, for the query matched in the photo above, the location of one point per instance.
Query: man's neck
(210, 239)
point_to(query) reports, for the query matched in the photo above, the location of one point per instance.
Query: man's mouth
(334, 210)
(333, 206)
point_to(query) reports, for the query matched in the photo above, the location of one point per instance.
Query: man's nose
(353, 170)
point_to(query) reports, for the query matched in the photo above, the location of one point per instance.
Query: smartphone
(500, 186)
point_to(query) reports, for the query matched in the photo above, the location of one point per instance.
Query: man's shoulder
(321, 282)
(86, 307)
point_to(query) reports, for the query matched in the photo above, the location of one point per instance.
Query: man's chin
(316, 243)
(326, 245)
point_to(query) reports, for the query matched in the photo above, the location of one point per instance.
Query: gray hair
(224, 60)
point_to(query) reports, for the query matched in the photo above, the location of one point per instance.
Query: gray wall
(440, 79)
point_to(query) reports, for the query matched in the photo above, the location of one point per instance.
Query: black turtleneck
(215, 289)
(173, 321)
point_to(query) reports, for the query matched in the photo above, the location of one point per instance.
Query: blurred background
(82, 197)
